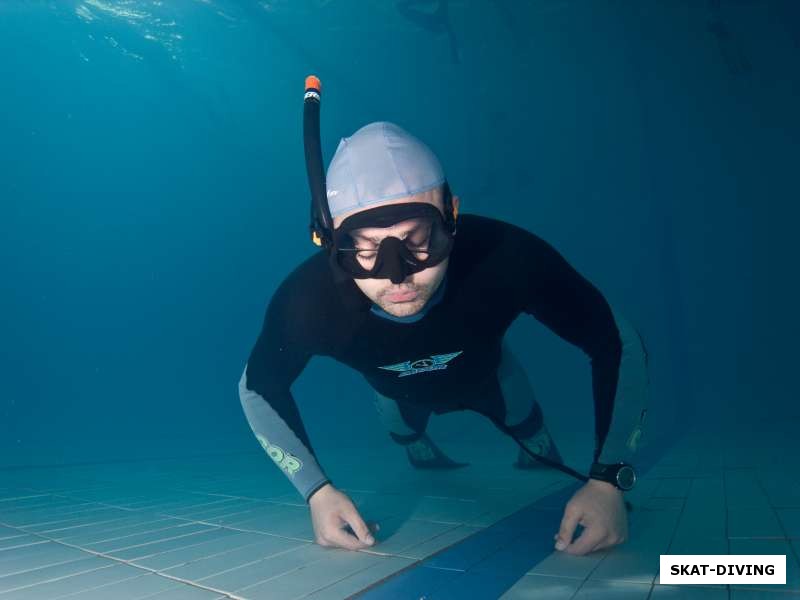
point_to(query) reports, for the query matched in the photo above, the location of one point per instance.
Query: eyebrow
(376, 239)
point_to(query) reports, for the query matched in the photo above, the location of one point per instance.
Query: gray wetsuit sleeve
(629, 410)
(283, 444)
(277, 359)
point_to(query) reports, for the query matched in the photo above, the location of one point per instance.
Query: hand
(331, 510)
(598, 506)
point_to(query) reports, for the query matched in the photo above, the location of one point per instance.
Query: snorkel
(321, 226)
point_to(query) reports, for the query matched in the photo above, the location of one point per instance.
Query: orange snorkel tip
(313, 83)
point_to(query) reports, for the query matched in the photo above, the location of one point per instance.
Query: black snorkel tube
(321, 226)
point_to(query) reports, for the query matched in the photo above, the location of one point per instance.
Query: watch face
(626, 477)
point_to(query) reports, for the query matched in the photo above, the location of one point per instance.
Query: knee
(530, 424)
(404, 440)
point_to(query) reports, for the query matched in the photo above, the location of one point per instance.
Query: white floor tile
(227, 540)
(616, 590)
(757, 546)
(332, 568)
(753, 523)
(260, 571)
(688, 592)
(58, 588)
(131, 589)
(560, 564)
(37, 557)
(541, 587)
(435, 544)
(212, 565)
(50, 573)
(384, 567)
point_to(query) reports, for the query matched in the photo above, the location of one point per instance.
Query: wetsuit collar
(434, 300)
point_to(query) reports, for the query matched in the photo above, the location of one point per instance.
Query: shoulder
(307, 275)
(302, 293)
(488, 237)
(312, 299)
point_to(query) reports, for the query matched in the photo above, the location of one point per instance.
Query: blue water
(153, 196)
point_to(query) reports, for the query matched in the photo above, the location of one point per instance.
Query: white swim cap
(379, 162)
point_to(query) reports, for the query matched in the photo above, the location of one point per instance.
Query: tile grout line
(125, 562)
(191, 520)
(792, 550)
(653, 583)
(213, 525)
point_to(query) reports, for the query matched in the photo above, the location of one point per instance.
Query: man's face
(406, 298)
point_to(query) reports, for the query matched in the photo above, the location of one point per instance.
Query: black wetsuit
(448, 359)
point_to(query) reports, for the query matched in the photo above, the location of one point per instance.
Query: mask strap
(450, 212)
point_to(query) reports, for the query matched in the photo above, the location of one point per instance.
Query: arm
(293, 331)
(563, 300)
(285, 444)
(629, 408)
(558, 296)
(277, 359)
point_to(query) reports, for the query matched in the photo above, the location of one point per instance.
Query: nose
(391, 257)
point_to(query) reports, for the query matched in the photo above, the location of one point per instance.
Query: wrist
(319, 491)
(619, 475)
(603, 485)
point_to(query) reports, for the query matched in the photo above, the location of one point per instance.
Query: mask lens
(424, 241)
(362, 245)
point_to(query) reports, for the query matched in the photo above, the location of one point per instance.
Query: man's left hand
(598, 506)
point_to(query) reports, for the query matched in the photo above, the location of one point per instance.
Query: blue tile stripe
(489, 562)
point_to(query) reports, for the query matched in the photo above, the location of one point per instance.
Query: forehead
(402, 227)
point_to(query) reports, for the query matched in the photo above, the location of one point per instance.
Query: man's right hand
(331, 511)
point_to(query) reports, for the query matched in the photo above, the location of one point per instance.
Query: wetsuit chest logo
(436, 362)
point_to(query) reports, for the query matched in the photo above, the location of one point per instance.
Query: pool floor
(231, 526)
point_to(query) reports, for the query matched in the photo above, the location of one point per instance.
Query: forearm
(630, 401)
(281, 442)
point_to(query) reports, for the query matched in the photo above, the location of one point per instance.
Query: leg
(523, 415)
(406, 424)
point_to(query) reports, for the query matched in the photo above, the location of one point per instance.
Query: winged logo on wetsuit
(435, 362)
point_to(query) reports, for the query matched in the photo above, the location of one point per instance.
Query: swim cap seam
(391, 157)
(352, 177)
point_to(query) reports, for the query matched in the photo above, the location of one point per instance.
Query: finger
(374, 528)
(568, 524)
(358, 526)
(589, 540)
(341, 539)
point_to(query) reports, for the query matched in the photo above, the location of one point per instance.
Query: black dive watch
(621, 475)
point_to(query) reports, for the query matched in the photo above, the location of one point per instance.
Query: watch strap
(608, 473)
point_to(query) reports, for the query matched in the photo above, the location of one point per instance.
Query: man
(418, 299)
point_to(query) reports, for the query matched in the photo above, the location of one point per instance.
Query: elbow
(629, 341)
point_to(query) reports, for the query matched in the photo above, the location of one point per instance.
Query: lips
(401, 296)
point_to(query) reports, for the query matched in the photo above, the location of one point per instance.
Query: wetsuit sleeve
(569, 305)
(277, 359)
